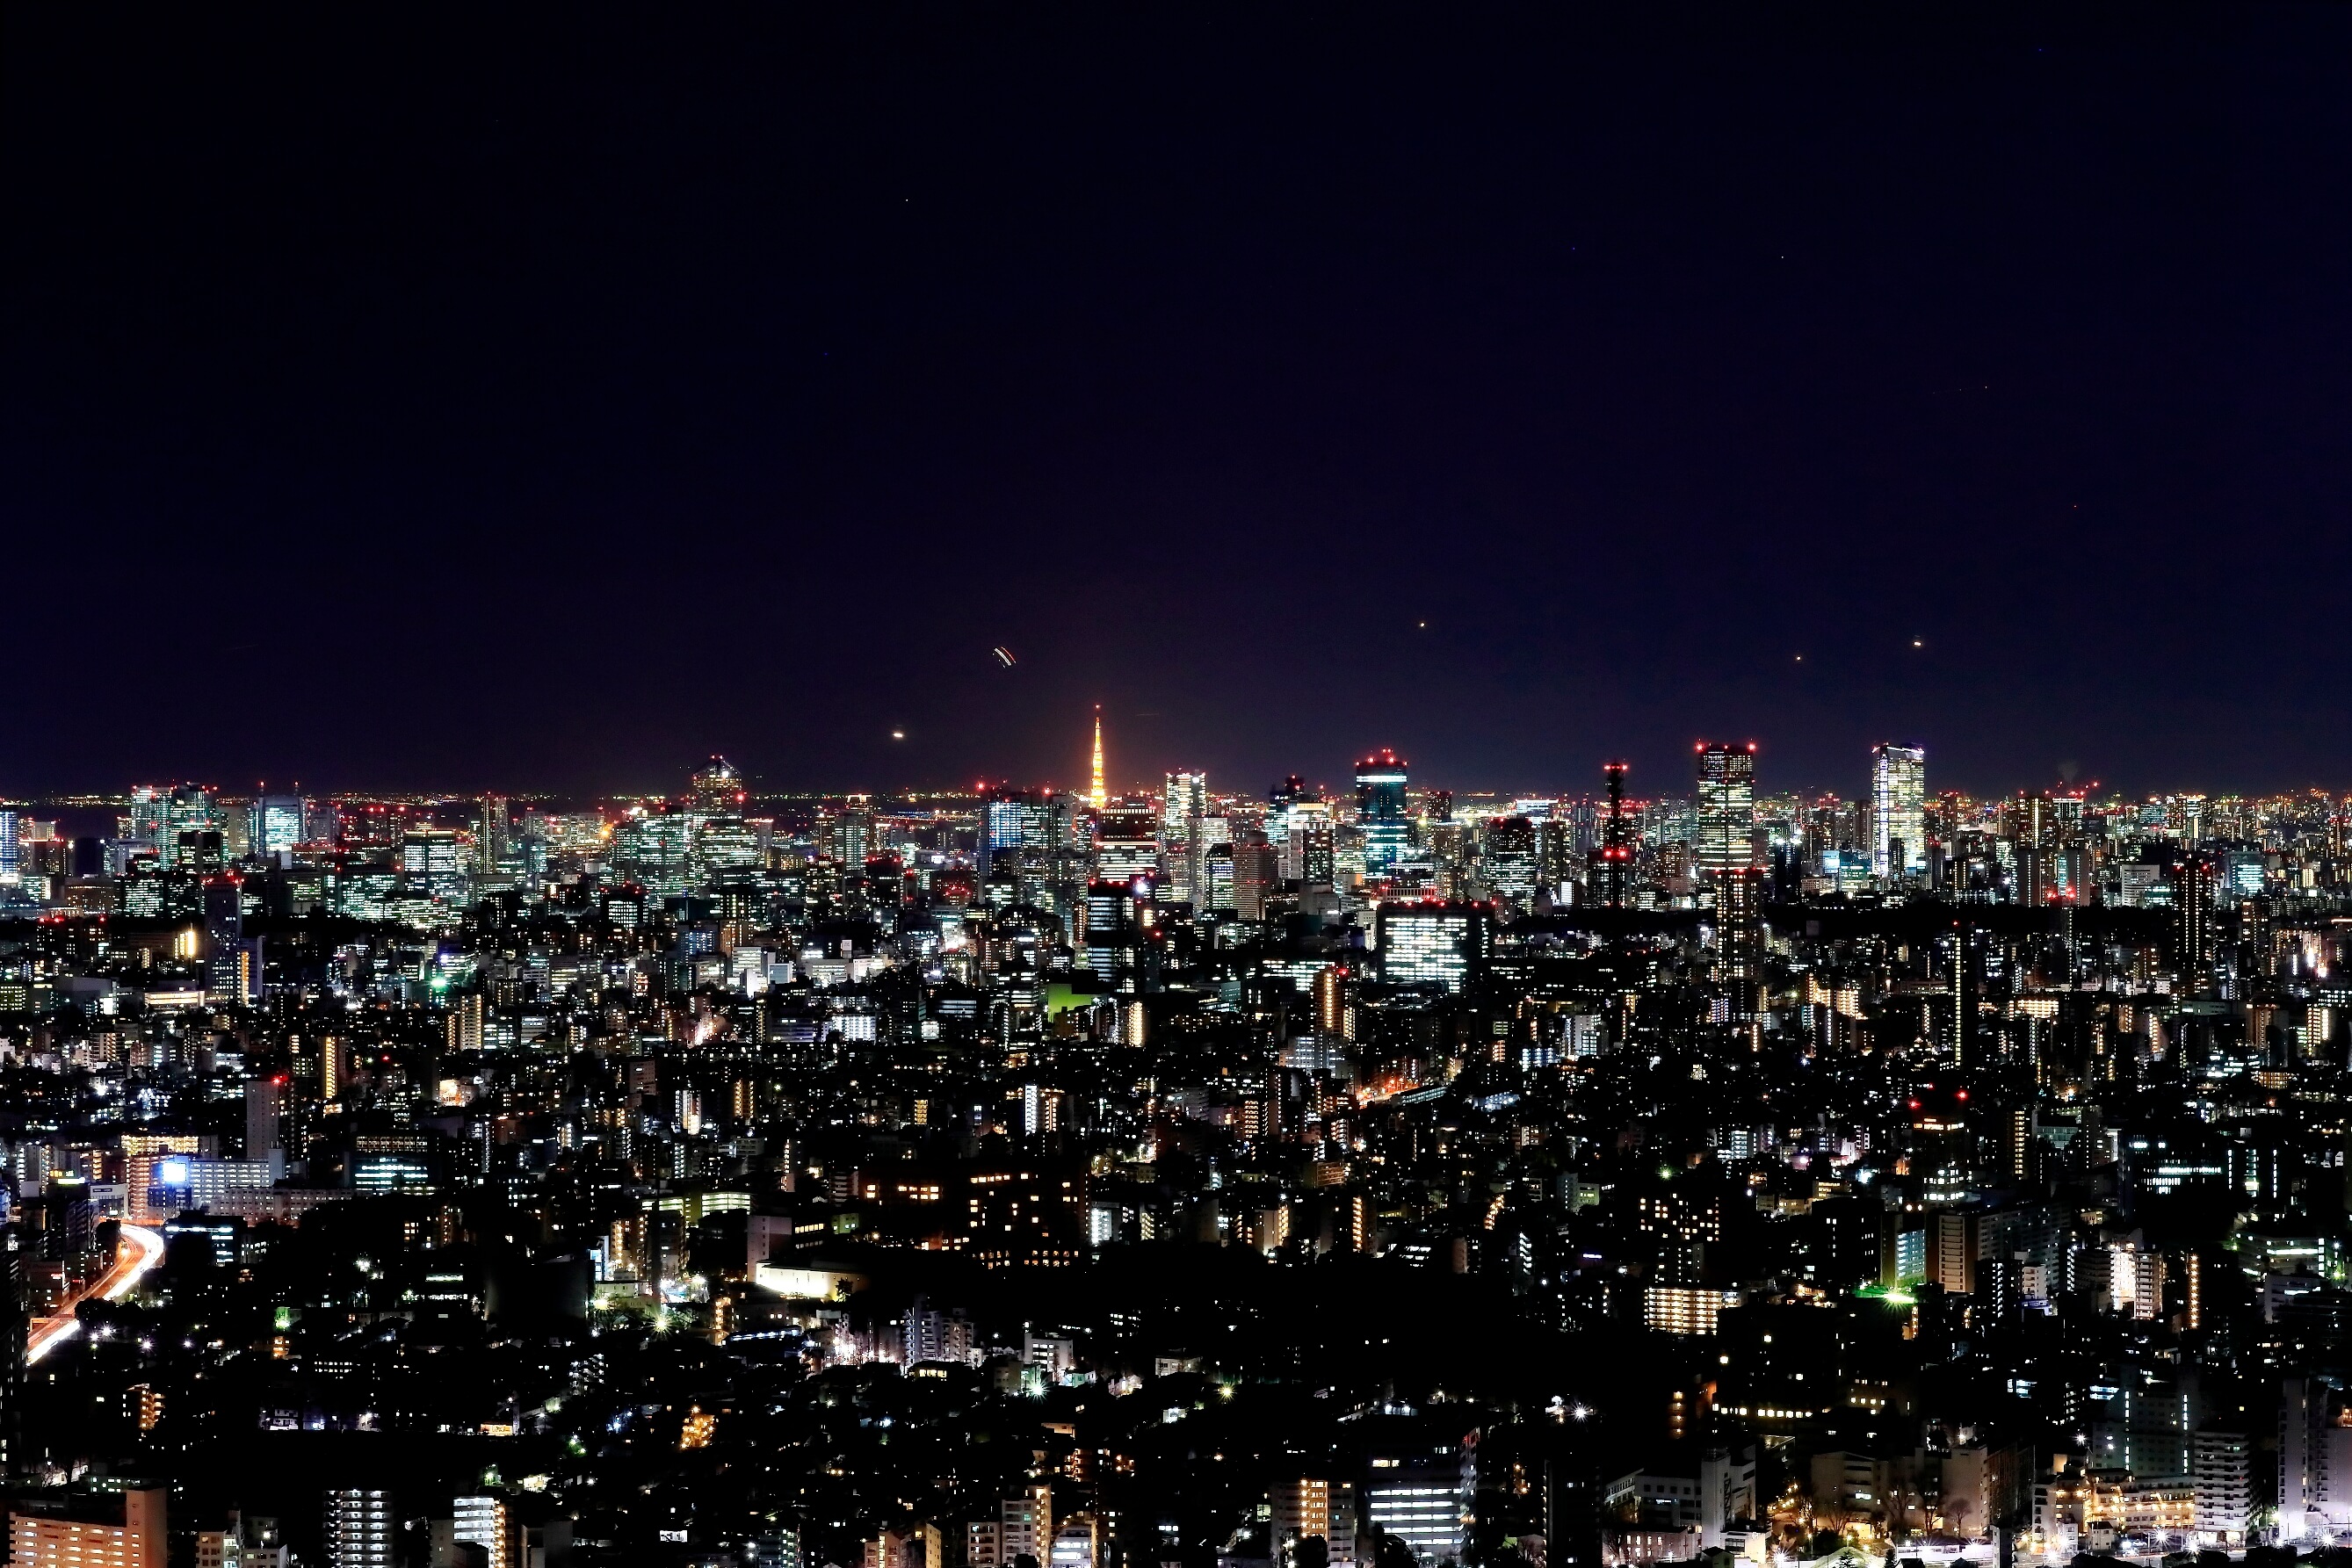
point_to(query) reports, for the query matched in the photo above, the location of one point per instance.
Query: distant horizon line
(94, 798)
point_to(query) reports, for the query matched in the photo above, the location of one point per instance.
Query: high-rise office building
(199, 850)
(2032, 819)
(1126, 845)
(492, 838)
(1726, 806)
(1012, 821)
(718, 788)
(1183, 803)
(190, 810)
(232, 959)
(1111, 934)
(1898, 812)
(1308, 843)
(1444, 943)
(277, 825)
(150, 809)
(430, 862)
(1507, 858)
(1213, 867)
(731, 844)
(1380, 812)
(12, 851)
(1257, 875)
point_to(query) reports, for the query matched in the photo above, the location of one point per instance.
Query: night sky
(456, 401)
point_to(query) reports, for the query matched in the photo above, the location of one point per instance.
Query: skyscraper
(150, 806)
(232, 959)
(2032, 819)
(1124, 846)
(429, 861)
(1012, 820)
(1898, 814)
(1380, 812)
(1257, 875)
(1306, 842)
(1726, 806)
(1616, 850)
(491, 841)
(1740, 924)
(2192, 913)
(277, 824)
(1182, 807)
(719, 788)
(1185, 802)
(1506, 857)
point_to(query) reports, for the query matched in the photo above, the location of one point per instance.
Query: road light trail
(137, 1250)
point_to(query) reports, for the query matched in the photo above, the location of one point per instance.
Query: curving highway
(139, 1250)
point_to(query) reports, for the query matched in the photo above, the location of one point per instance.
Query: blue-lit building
(275, 824)
(1015, 819)
(1380, 812)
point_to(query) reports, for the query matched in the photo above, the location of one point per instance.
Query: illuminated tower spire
(1098, 797)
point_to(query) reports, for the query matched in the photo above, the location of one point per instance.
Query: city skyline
(882, 786)
(1093, 771)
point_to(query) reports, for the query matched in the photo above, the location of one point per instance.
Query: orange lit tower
(1097, 796)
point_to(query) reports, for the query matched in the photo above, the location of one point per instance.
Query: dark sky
(509, 398)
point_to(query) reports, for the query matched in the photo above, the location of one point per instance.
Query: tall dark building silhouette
(2192, 913)
(1616, 853)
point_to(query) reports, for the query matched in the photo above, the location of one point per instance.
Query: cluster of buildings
(1017, 1179)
